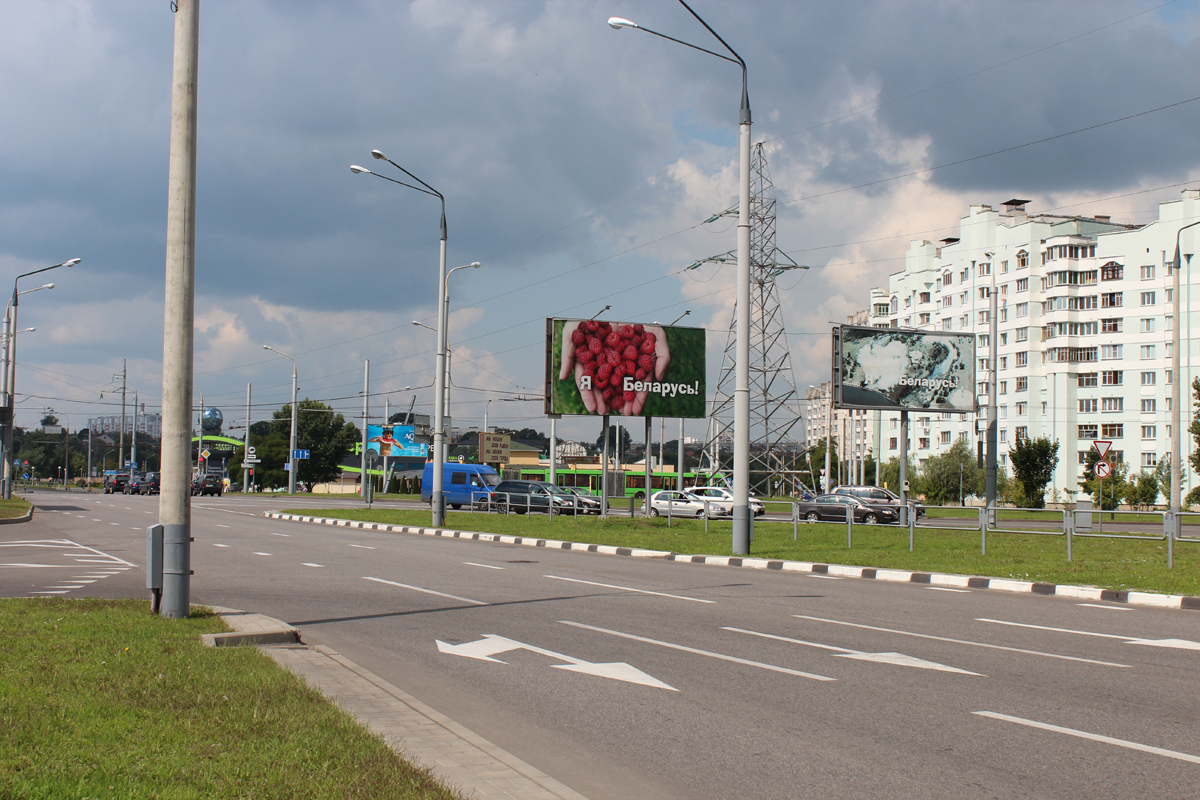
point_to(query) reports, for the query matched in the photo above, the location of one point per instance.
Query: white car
(724, 495)
(682, 504)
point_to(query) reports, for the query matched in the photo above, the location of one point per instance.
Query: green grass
(1108, 563)
(16, 507)
(101, 699)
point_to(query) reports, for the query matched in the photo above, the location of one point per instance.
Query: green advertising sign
(624, 368)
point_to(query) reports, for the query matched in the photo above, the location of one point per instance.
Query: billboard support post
(903, 468)
(649, 468)
(679, 458)
(604, 467)
(554, 449)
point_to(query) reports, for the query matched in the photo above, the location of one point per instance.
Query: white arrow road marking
(1181, 644)
(695, 651)
(962, 641)
(427, 591)
(883, 658)
(1095, 737)
(628, 589)
(492, 644)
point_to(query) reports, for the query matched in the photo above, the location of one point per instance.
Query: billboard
(887, 368)
(395, 441)
(625, 368)
(494, 447)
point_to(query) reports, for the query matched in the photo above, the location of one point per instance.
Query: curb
(803, 567)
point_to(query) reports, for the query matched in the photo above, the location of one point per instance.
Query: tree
(889, 474)
(49, 420)
(950, 476)
(1163, 473)
(626, 440)
(1194, 428)
(816, 460)
(1033, 462)
(323, 433)
(263, 428)
(1142, 490)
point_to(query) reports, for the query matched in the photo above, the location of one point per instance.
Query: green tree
(889, 474)
(321, 431)
(1141, 490)
(1163, 473)
(1194, 428)
(1033, 462)
(943, 475)
(626, 441)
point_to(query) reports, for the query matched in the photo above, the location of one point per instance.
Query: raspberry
(618, 372)
(593, 326)
(640, 375)
(628, 396)
(626, 331)
(578, 337)
(589, 369)
(639, 329)
(650, 337)
(648, 345)
(595, 345)
(616, 380)
(585, 356)
(612, 357)
(646, 362)
(603, 372)
(630, 353)
(608, 393)
(630, 367)
(613, 340)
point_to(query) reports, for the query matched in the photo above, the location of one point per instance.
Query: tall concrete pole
(438, 497)
(292, 439)
(364, 484)
(121, 445)
(679, 459)
(829, 442)
(992, 411)
(246, 445)
(174, 507)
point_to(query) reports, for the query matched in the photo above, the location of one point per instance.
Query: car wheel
(700, 514)
(653, 511)
(456, 506)
(501, 508)
(871, 519)
(812, 516)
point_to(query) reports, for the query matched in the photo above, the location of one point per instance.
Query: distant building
(149, 424)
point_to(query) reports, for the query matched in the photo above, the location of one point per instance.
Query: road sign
(1103, 468)
(1102, 447)
(25, 477)
(205, 454)
(300, 453)
(250, 452)
(253, 460)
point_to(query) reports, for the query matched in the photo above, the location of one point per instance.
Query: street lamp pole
(742, 519)
(1177, 415)
(292, 440)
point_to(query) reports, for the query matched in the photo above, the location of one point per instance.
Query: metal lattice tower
(774, 403)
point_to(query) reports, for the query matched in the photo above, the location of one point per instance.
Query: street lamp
(10, 370)
(1176, 408)
(292, 445)
(741, 396)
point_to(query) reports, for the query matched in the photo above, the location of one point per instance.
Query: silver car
(726, 496)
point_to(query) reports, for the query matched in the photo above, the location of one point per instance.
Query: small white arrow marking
(1181, 644)
(898, 659)
(491, 645)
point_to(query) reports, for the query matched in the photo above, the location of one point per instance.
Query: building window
(1146, 325)
(985, 317)
(1004, 434)
(923, 443)
(1112, 300)
(1112, 271)
(1111, 351)
(1148, 405)
(1003, 387)
(1022, 334)
(1087, 379)
(1022, 259)
(1022, 284)
(1111, 325)
(1147, 298)
(984, 270)
(923, 319)
(1022, 309)
(1148, 272)
(1169, 373)
(1112, 404)
(1022, 384)
(1149, 459)
(1089, 431)
(983, 292)
(1003, 412)
(947, 324)
(1112, 378)
(1083, 456)
(1148, 379)
(945, 437)
(1113, 430)
(1022, 433)
(1023, 358)
(1087, 406)
(892, 443)
(923, 297)
(1148, 432)
(964, 276)
(1003, 315)
(962, 436)
(1022, 408)
(1147, 352)
(1003, 362)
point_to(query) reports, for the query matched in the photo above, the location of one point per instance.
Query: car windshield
(553, 489)
(490, 479)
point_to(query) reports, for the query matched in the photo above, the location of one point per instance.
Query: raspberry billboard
(889, 368)
(624, 368)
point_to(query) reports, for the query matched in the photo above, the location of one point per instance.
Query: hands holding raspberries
(602, 355)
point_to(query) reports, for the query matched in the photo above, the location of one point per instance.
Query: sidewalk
(467, 763)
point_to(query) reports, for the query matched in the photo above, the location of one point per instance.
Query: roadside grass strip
(100, 698)
(1117, 570)
(13, 508)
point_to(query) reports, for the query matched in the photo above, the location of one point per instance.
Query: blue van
(462, 484)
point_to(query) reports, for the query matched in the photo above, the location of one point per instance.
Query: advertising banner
(493, 448)
(624, 368)
(886, 368)
(394, 441)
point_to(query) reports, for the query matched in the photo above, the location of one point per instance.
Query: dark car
(876, 496)
(835, 506)
(150, 484)
(526, 496)
(196, 486)
(115, 483)
(133, 484)
(212, 484)
(587, 502)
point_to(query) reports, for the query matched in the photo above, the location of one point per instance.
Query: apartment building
(149, 424)
(1084, 327)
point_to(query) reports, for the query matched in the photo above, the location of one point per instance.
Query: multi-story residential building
(149, 424)
(1084, 326)
(853, 434)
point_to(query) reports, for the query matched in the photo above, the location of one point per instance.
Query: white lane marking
(127, 508)
(95, 520)
(629, 589)
(898, 659)
(962, 641)
(219, 525)
(219, 545)
(262, 554)
(273, 534)
(1095, 737)
(363, 546)
(468, 563)
(77, 580)
(825, 577)
(427, 591)
(1107, 608)
(63, 592)
(112, 523)
(695, 651)
(147, 512)
(134, 529)
(1182, 644)
(947, 589)
(306, 564)
(491, 645)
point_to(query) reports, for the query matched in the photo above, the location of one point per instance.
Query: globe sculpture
(211, 420)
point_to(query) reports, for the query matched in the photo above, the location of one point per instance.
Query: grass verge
(101, 699)
(1109, 563)
(11, 509)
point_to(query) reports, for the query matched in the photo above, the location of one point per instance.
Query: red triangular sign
(1102, 448)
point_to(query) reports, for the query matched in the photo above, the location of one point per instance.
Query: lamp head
(72, 262)
(379, 154)
(616, 23)
(266, 347)
(357, 170)
(48, 286)
(476, 264)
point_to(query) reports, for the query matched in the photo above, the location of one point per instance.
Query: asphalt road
(626, 677)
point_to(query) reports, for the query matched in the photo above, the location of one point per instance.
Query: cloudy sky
(578, 163)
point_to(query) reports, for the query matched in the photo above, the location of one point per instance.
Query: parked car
(683, 504)
(723, 494)
(212, 484)
(525, 496)
(132, 485)
(836, 506)
(877, 496)
(115, 483)
(462, 484)
(150, 483)
(587, 503)
(196, 486)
